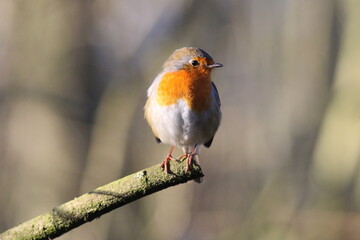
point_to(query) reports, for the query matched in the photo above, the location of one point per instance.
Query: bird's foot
(189, 160)
(165, 163)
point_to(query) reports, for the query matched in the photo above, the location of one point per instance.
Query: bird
(183, 104)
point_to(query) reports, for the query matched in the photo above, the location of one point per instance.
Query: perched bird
(183, 105)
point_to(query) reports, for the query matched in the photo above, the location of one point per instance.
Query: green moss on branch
(104, 199)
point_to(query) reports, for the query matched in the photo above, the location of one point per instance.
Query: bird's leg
(186, 155)
(190, 157)
(165, 163)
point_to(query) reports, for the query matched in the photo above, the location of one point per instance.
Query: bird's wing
(208, 143)
(215, 94)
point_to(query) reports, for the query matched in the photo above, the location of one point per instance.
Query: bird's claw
(189, 161)
(165, 163)
(189, 157)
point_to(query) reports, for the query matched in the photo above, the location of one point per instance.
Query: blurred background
(283, 165)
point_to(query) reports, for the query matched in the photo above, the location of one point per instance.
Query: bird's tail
(197, 161)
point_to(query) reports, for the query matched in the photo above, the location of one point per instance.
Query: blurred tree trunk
(336, 168)
(338, 148)
(292, 92)
(45, 125)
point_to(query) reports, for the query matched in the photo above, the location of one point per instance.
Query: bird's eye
(194, 63)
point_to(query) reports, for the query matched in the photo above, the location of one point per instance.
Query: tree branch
(104, 199)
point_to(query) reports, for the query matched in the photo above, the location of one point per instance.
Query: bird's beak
(215, 65)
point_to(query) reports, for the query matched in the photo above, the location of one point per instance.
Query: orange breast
(194, 86)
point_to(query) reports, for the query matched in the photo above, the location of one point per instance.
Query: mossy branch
(104, 199)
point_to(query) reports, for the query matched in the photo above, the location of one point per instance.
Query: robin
(183, 105)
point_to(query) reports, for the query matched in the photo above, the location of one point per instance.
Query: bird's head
(190, 58)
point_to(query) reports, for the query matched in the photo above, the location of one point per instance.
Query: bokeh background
(284, 163)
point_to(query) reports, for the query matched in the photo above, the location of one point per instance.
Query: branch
(104, 199)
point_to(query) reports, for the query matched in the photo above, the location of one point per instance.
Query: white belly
(177, 125)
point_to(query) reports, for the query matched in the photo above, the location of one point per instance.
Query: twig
(104, 199)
